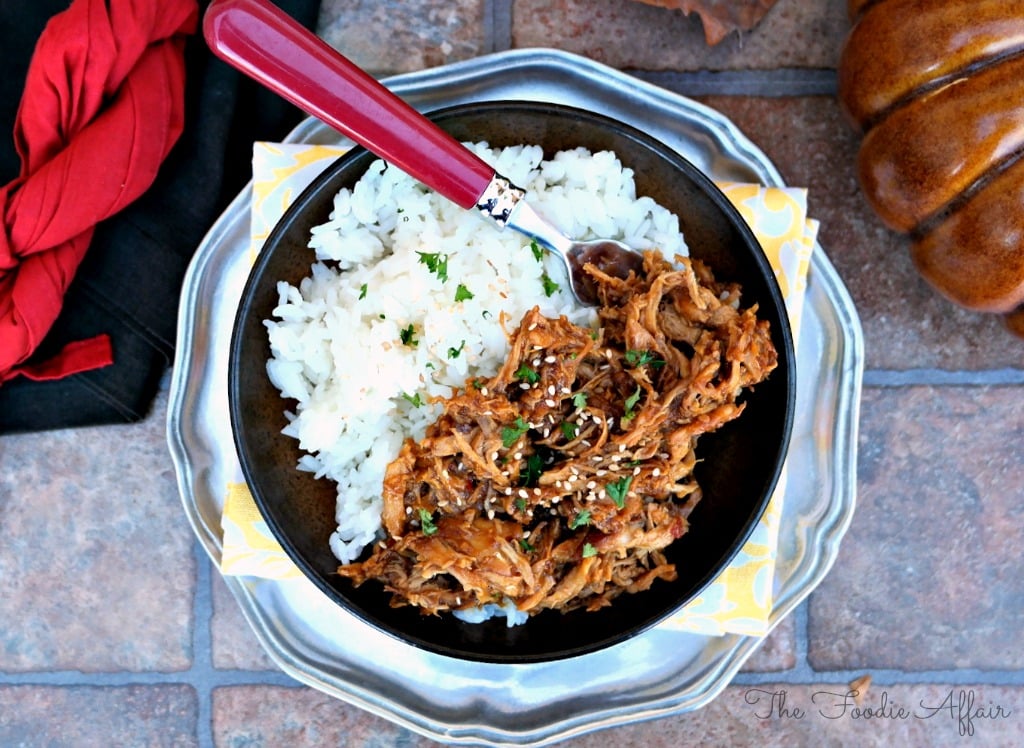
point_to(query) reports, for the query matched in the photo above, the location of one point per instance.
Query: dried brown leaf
(720, 17)
(859, 687)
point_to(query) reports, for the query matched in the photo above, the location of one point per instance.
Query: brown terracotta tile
(906, 324)
(91, 716)
(928, 576)
(629, 34)
(778, 650)
(297, 717)
(821, 715)
(96, 567)
(234, 644)
(397, 37)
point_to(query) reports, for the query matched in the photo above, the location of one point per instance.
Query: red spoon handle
(269, 46)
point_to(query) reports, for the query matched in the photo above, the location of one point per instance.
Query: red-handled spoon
(266, 44)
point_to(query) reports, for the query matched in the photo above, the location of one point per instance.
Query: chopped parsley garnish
(617, 491)
(579, 400)
(550, 287)
(534, 467)
(538, 253)
(362, 291)
(521, 505)
(582, 518)
(524, 544)
(527, 374)
(454, 352)
(631, 402)
(427, 522)
(478, 384)
(462, 293)
(408, 336)
(641, 358)
(511, 434)
(569, 430)
(589, 550)
(436, 262)
(415, 400)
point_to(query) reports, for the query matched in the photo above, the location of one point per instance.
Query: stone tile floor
(115, 629)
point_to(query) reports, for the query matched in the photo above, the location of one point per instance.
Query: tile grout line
(202, 644)
(1007, 376)
(498, 34)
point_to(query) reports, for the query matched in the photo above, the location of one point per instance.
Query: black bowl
(739, 465)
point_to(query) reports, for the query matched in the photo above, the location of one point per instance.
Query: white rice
(337, 340)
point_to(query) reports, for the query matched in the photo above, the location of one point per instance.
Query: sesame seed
(483, 391)
(601, 473)
(408, 510)
(550, 360)
(550, 403)
(536, 492)
(574, 477)
(518, 455)
(575, 470)
(526, 534)
(490, 514)
(523, 494)
(566, 391)
(591, 485)
(636, 470)
(622, 447)
(524, 385)
(536, 362)
(656, 472)
(508, 491)
(494, 456)
(602, 494)
(551, 389)
(532, 327)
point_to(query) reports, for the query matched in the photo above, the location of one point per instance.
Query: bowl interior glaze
(739, 465)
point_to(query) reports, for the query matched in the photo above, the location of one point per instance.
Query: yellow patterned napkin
(739, 601)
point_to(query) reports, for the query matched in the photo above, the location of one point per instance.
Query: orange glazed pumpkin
(937, 89)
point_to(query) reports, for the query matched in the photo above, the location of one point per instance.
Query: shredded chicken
(559, 482)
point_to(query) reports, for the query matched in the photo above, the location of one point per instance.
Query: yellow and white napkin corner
(739, 601)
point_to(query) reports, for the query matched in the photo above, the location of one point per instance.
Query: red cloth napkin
(102, 107)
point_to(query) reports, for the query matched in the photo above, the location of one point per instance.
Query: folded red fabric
(103, 104)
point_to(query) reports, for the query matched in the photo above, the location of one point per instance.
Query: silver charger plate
(659, 673)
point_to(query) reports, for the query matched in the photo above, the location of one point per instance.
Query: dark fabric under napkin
(129, 282)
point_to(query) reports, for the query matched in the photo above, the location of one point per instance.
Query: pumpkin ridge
(897, 51)
(929, 224)
(974, 68)
(919, 159)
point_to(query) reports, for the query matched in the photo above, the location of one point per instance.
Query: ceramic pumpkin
(936, 87)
